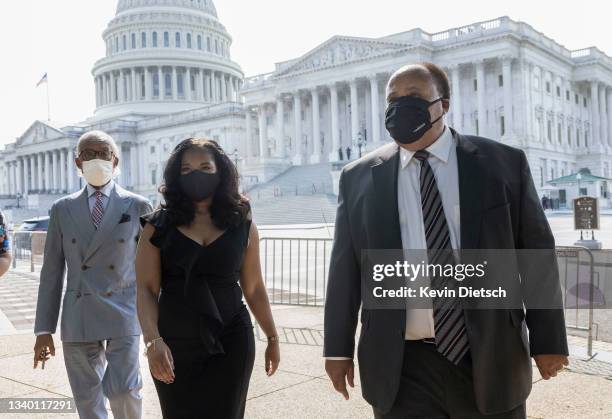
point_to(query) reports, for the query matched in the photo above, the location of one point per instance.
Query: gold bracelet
(151, 343)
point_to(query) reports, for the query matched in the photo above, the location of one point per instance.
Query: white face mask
(98, 172)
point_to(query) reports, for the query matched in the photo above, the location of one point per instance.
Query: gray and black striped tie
(449, 323)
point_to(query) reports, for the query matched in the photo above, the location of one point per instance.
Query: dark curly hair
(228, 209)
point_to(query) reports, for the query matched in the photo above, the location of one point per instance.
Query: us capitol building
(168, 74)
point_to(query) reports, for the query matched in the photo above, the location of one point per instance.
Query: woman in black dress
(192, 255)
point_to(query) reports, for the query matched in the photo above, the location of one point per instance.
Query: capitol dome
(164, 56)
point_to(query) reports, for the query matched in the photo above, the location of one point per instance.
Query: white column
(32, 168)
(482, 112)
(63, 185)
(174, 84)
(263, 146)
(316, 127)
(133, 165)
(204, 88)
(280, 127)
(114, 90)
(97, 83)
(529, 109)
(160, 82)
(610, 116)
(148, 84)
(375, 104)
(198, 86)
(594, 113)
(603, 115)
(69, 171)
(333, 94)
(55, 164)
(120, 88)
(187, 84)
(456, 110)
(48, 177)
(223, 88)
(507, 78)
(39, 182)
(298, 155)
(21, 176)
(354, 116)
(248, 129)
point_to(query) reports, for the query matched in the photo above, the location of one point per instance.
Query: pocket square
(125, 218)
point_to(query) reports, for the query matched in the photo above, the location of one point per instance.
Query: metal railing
(295, 270)
(28, 248)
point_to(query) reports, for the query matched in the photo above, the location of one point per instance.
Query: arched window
(188, 40)
(124, 42)
(116, 43)
(133, 41)
(216, 46)
(208, 43)
(154, 39)
(168, 85)
(166, 39)
(143, 40)
(177, 40)
(180, 84)
(199, 42)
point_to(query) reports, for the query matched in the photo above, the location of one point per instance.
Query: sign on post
(586, 213)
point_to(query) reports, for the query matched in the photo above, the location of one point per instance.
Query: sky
(63, 38)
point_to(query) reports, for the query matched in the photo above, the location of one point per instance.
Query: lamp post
(359, 143)
(578, 178)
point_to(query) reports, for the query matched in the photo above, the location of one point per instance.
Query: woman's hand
(161, 363)
(272, 357)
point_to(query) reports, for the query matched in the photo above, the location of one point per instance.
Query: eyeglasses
(87, 155)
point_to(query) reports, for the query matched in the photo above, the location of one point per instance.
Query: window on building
(153, 176)
(166, 39)
(199, 42)
(576, 98)
(124, 42)
(500, 80)
(168, 85)
(559, 135)
(188, 40)
(549, 130)
(217, 46)
(547, 87)
(133, 41)
(180, 84)
(536, 82)
(475, 85)
(142, 85)
(584, 101)
(152, 149)
(143, 39)
(156, 85)
(586, 138)
(569, 136)
(567, 95)
(558, 91)
(502, 124)
(154, 39)
(477, 130)
(177, 40)
(577, 137)
(116, 44)
(541, 176)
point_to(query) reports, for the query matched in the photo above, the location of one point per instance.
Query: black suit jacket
(499, 209)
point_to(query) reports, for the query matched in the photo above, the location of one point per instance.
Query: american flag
(42, 80)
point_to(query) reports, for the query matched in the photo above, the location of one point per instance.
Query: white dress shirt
(443, 162)
(106, 191)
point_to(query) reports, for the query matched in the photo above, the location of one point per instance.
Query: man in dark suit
(434, 188)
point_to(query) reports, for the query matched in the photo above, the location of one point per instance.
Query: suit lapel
(384, 176)
(79, 211)
(117, 205)
(471, 188)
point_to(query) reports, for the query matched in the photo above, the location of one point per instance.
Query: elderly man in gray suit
(93, 235)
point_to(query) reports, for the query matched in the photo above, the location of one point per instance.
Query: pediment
(39, 132)
(340, 50)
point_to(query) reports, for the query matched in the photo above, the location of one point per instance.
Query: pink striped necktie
(98, 209)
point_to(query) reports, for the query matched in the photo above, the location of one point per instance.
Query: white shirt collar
(440, 148)
(106, 189)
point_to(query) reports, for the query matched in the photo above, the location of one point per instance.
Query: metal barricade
(576, 274)
(295, 270)
(28, 247)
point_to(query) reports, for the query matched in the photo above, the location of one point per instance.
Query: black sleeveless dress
(204, 321)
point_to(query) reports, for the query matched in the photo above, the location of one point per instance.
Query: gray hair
(98, 137)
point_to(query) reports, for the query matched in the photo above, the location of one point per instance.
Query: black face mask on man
(407, 118)
(198, 185)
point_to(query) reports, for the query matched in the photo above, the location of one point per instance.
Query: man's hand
(43, 342)
(341, 371)
(549, 365)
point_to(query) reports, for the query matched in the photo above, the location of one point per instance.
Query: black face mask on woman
(198, 185)
(407, 118)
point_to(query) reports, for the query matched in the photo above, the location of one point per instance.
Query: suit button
(78, 295)
(73, 241)
(111, 267)
(121, 240)
(83, 267)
